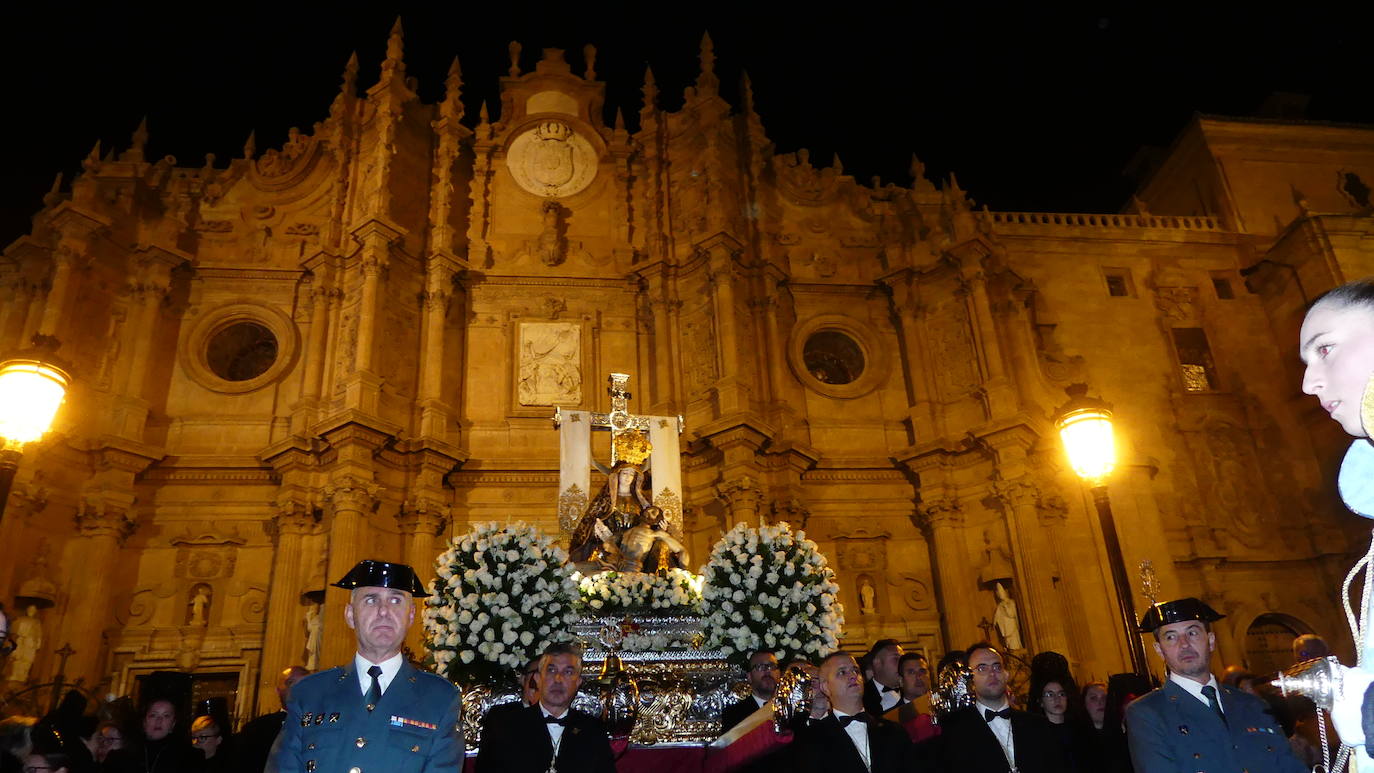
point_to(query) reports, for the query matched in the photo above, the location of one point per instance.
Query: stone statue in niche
(198, 609)
(549, 246)
(1006, 619)
(868, 596)
(550, 363)
(314, 626)
(27, 632)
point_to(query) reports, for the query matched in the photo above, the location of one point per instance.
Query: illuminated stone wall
(350, 346)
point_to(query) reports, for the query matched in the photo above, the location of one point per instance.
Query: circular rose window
(239, 347)
(241, 351)
(831, 357)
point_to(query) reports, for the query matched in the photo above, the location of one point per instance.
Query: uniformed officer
(1193, 723)
(377, 714)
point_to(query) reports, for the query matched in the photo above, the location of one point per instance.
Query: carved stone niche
(861, 569)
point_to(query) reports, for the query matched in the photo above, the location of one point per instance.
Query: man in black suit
(884, 691)
(529, 693)
(915, 677)
(987, 736)
(762, 674)
(257, 736)
(550, 735)
(849, 739)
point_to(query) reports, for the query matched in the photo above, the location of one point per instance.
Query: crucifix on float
(644, 441)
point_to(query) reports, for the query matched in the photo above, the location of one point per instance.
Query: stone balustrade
(1096, 220)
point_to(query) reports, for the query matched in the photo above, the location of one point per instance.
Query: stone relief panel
(699, 355)
(952, 351)
(552, 160)
(1228, 466)
(550, 367)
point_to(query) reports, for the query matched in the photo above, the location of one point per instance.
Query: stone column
(1053, 521)
(942, 521)
(721, 272)
(315, 342)
(102, 526)
(421, 520)
(25, 500)
(1034, 562)
(743, 495)
(434, 410)
(925, 419)
(283, 640)
(350, 499)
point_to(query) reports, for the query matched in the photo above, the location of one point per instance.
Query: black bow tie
(862, 716)
(888, 689)
(560, 721)
(990, 715)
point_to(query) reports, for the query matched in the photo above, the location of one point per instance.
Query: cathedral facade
(351, 346)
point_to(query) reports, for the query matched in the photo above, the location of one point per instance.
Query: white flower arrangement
(501, 595)
(770, 588)
(676, 591)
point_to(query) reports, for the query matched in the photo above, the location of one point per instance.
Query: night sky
(1034, 107)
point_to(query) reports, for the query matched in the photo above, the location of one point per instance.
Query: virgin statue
(596, 539)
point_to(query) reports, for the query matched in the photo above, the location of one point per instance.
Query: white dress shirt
(858, 733)
(890, 697)
(1000, 727)
(389, 668)
(555, 730)
(1195, 688)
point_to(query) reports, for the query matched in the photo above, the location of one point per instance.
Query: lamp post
(32, 387)
(1085, 427)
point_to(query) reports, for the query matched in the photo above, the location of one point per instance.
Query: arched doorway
(1269, 642)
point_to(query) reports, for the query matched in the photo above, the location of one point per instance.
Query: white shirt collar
(1195, 688)
(390, 667)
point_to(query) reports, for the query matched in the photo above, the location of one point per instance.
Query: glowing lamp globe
(30, 394)
(1085, 427)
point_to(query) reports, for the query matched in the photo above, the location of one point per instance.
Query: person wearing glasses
(51, 762)
(849, 739)
(206, 736)
(108, 737)
(762, 673)
(990, 736)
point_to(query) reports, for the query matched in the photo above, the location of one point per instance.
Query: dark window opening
(1354, 187)
(1223, 287)
(1195, 359)
(1116, 286)
(831, 357)
(241, 351)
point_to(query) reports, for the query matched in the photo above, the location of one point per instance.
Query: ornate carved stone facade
(350, 347)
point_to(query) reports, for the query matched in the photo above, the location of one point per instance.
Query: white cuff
(1347, 714)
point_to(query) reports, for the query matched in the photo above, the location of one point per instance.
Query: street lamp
(32, 387)
(1085, 427)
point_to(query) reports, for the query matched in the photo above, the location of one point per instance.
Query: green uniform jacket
(413, 729)
(1171, 731)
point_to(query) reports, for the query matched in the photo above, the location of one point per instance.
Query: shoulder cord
(1358, 629)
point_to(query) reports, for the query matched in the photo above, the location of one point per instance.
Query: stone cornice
(474, 478)
(853, 475)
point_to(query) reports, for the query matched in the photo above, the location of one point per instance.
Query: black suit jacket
(256, 738)
(824, 747)
(519, 742)
(873, 700)
(968, 745)
(736, 713)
